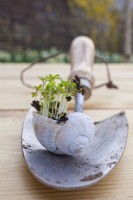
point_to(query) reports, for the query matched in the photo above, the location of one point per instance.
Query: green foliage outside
(30, 56)
(101, 20)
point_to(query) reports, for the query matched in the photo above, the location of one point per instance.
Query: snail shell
(69, 138)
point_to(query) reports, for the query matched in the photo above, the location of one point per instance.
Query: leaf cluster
(51, 97)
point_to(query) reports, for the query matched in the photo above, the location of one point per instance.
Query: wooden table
(16, 182)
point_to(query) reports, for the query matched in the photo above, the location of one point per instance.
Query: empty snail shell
(69, 138)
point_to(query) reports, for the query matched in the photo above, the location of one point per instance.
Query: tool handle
(82, 52)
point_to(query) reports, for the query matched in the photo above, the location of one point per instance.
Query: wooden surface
(16, 182)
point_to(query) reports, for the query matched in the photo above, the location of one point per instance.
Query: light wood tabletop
(16, 182)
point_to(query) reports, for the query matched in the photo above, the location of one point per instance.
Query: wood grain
(14, 95)
(16, 182)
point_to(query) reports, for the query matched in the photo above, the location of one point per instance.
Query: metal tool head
(75, 172)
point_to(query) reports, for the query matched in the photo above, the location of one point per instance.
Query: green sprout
(51, 97)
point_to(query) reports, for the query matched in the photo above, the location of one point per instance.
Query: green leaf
(34, 94)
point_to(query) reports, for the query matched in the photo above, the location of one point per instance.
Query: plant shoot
(51, 97)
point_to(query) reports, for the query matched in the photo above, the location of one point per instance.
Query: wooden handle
(82, 52)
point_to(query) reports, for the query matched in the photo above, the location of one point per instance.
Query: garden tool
(69, 172)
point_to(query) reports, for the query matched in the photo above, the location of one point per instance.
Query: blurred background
(30, 30)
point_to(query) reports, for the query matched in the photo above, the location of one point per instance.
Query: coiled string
(109, 84)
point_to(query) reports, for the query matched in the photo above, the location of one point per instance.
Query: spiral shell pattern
(70, 138)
